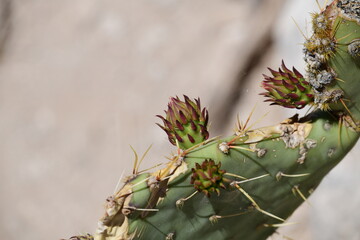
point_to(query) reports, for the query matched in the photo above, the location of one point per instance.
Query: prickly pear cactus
(246, 185)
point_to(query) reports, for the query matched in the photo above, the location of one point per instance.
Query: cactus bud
(208, 177)
(185, 123)
(287, 88)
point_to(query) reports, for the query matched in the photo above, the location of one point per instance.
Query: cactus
(246, 185)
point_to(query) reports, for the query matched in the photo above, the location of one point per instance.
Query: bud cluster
(185, 122)
(208, 177)
(287, 88)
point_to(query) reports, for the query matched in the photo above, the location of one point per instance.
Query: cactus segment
(346, 63)
(287, 88)
(264, 190)
(185, 122)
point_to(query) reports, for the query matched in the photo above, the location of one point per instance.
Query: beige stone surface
(82, 80)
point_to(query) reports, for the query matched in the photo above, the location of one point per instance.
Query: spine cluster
(317, 50)
(350, 9)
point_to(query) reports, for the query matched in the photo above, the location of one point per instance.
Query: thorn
(234, 175)
(251, 179)
(347, 35)
(242, 148)
(319, 6)
(118, 183)
(142, 181)
(298, 27)
(215, 218)
(181, 201)
(296, 189)
(136, 160)
(276, 225)
(142, 158)
(257, 207)
(280, 174)
(141, 209)
(339, 79)
(147, 169)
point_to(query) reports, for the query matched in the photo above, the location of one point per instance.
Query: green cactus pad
(267, 194)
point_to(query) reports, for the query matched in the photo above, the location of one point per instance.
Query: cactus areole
(246, 185)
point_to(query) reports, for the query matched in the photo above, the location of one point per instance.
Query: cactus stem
(181, 201)
(279, 175)
(296, 190)
(251, 179)
(254, 203)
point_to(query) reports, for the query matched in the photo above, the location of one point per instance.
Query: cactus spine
(246, 185)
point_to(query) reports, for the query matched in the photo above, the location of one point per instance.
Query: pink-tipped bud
(185, 122)
(287, 88)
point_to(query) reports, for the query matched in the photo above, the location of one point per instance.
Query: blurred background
(82, 80)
